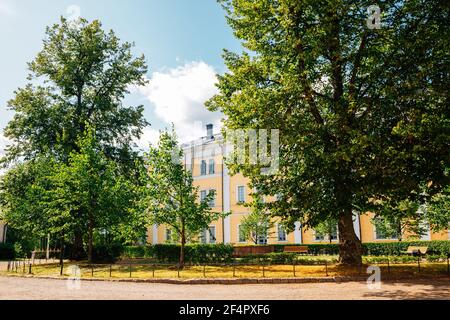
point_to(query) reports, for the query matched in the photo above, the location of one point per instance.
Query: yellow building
(204, 157)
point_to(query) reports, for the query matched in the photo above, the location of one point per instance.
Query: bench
(296, 249)
(416, 250)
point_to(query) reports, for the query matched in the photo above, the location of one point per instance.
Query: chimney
(209, 131)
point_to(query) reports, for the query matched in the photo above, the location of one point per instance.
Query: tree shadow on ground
(436, 289)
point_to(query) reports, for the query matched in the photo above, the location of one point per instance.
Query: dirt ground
(12, 288)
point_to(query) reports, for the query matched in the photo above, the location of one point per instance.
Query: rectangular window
(203, 238)
(168, 235)
(242, 237)
(241, 194)
(202, 195)
(203, 168)
(281, 233)
(212, 203)
(212, 234)
(211, 166)
(262, 239)
(384, 230)
(319, 236)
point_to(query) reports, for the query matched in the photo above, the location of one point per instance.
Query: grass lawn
(240, 271)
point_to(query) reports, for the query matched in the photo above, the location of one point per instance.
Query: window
(212, 202)
(211, 166)
(281, 233)
(168, 235)
(384, 230)
(262, 239)
(202, 195)
(319, 236)
(212, 234)
(241, 235)
(241, 194)
(202, 237)
(330, 235)
(203, 168)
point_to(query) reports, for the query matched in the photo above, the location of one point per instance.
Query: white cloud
(6, 8)
(179, 95)
(149, 136)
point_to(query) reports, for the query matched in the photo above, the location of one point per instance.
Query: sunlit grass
(122, 271)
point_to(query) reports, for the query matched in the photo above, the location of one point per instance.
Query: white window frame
(284, 231)
(205, 192)
(204, 165)
(213, 163)
(237, 194)
(212, 204)
(168, 235)
(209, 234)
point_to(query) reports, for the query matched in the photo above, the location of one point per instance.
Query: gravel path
(45, 289)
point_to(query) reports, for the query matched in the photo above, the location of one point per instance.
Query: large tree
(79, 78)
(87, 193)
(171, 198)
(362, 111)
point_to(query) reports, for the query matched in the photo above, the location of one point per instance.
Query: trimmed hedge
(200, 253)
(7, 251)
(194, 253)
(436, 247)
(315, 249)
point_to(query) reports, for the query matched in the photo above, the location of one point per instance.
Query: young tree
(79, 77)
(172, 199)
(327, 229)
(362, 111)
(92, 188)
(258, 224)
(88, 193)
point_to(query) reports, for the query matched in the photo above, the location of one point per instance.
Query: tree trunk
(78, 252)
(183, 243)
(350, 249)
(90, 241)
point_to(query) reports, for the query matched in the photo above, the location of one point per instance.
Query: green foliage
(391, 259)
(57, 182)
(437, 211)
(82, 75)
(170, 253)
(258, 224)
(440, 247)
(7, 251)
(363, 113)
(170, 196)
(315, 249)
(107, 253)
(327, 229)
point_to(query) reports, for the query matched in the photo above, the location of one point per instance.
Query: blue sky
(182, 41)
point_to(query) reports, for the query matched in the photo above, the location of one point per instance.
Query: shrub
(7, 251)
(391, 259)
(315, 249)
(194, 253)
(436, 247)
(107, 253)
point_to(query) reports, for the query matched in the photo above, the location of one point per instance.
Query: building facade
(204, 157)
